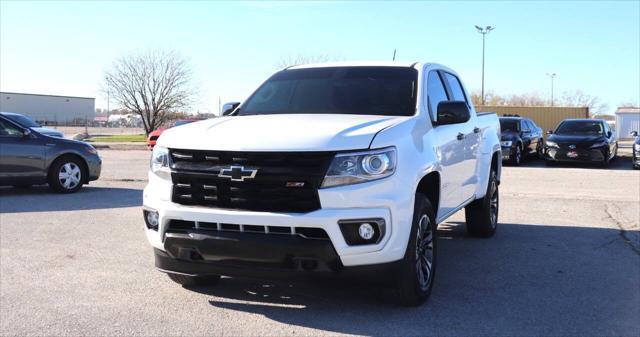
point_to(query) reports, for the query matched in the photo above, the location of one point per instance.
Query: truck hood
(293, 132)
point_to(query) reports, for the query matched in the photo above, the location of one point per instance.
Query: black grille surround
(282, 182)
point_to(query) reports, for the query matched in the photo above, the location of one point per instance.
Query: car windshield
(580, 128)
(510, 125)
(23, 120)
(389, 91)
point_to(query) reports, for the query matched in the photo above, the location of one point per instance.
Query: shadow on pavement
(526, 280)
(621, 162)
(42, 199)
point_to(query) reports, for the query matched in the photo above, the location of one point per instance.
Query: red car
(153, 136)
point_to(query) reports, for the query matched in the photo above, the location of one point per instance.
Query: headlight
(601, 144)
(160, 162)
(353, 168)
(506, 143)
(636, 147)
(90, 149)
(551, 144)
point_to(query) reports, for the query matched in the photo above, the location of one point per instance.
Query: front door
(21, 156)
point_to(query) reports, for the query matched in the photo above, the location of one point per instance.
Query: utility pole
(394, 55)
(552, 76)
(484, 31)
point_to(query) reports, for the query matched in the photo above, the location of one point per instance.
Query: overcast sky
(63, 48)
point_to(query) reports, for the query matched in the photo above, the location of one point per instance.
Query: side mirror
(609, 133)
(550, 132)
(453, 112)
(26, 132)
(228, 108)
(633, 133)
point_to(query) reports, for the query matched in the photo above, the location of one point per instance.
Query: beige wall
(546, 117)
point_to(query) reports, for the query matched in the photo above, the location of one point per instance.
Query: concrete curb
(121, 146)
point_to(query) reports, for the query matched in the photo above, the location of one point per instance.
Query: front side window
(525, 126)
(456, 87)
(23, 120)
(580, 128)
(389, 91)
(8, 130)
(435, 94)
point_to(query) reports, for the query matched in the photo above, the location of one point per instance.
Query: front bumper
(94, 164)
(339, 204)
(575, 155)
(506, 153)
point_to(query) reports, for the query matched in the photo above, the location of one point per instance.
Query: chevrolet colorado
(327, 168)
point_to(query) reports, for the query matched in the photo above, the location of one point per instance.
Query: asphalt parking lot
(565, 261)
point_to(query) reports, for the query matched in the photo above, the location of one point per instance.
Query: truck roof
(402, 64)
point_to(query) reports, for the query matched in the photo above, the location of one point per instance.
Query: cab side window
(456, 88)
(435, 94)
(525, 126)
(8, 130)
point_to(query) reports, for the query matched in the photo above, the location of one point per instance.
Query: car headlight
(551, 144)
(636, 147)
(160, 162)
(359, 167)
(90, 149)
(601, 144)
(506, 143)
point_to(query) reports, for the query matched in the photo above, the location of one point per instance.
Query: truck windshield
(389, 91)
(580, 128)
(508, 125)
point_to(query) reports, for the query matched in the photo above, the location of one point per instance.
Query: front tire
(482, 215)
(517, 156)
(418, 267)
(67, 175)
(187, 281)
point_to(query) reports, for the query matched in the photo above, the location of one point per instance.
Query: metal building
(547, 117)
(50, 109)
(627, 120)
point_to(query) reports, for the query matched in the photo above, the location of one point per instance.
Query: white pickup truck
(342, 168)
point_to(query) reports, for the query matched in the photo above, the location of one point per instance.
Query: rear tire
(482, 214)
(185, 280)
(67, 174)
(418, 267)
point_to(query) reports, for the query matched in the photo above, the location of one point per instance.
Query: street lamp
(484, 31)
(552, 76)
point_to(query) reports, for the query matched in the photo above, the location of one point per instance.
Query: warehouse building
(627, 120)
(50, 109)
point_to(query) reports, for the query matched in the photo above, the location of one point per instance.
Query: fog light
(366, 231)
(151, 218)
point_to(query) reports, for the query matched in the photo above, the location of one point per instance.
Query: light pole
(484, 31)
(552, 76)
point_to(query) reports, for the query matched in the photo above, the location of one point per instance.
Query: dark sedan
(28, 157)
(581, 140)
(519, 137)
(636, 150)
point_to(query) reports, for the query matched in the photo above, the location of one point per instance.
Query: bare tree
(580, 99)
(287, 61)
(153, 84)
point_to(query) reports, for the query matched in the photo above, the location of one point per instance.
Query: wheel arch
(430, 185)
(83, 163)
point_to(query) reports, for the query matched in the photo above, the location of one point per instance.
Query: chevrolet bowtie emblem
(573, 147)
(237, 173)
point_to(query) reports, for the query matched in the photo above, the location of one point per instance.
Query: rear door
(21, 157)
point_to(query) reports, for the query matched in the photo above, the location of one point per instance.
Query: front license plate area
(572, 154)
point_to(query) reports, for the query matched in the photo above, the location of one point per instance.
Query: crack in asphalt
(622, 232)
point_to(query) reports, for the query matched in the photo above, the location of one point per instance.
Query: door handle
(476, 129)
(460, 136)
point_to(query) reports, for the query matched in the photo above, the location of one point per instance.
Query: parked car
(155, 134)
(519, 137)
(28, 157)
(581, 140)
(635, 159)
(337, 168)
(27, 122)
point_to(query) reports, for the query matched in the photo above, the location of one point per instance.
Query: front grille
(282, 181)
(182, 226)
